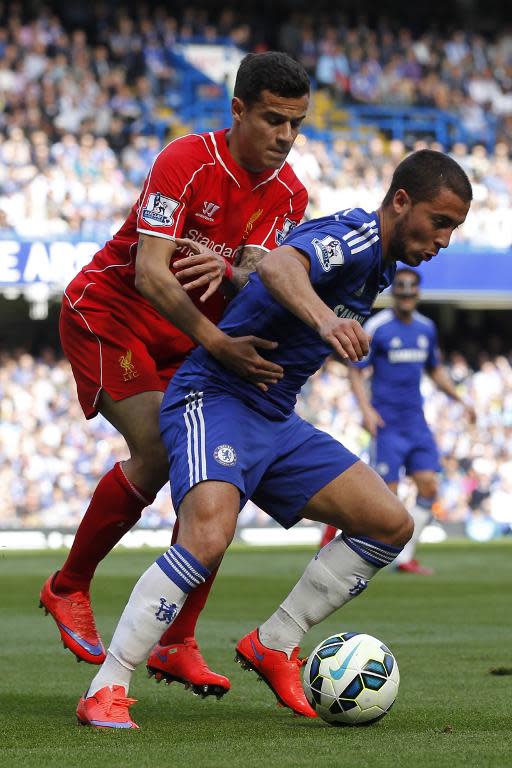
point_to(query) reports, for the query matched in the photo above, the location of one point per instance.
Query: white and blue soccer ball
(351, 679)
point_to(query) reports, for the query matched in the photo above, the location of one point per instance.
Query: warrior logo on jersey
(225, 455)
(285, 231)
(209, 211)
(159, 210)
(329, 252)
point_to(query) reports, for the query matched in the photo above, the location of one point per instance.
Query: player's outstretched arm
(156, 283)
(443, 381)
(371, 418)
(285, 274)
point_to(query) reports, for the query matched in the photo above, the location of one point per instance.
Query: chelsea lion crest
(225, 455)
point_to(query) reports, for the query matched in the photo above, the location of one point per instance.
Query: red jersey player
(211, 206)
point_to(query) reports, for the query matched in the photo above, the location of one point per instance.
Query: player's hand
(203, 267)
(372, 420)
(240, 356)
(470, 413)
(346, 337)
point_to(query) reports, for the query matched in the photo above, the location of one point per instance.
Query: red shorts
(116, 342)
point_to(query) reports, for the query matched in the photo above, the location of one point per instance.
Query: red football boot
(414, 567)
(74, 618)
(183, 663)
(279, 672)
(107, 708)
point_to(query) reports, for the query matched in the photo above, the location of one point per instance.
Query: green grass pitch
(448, 632)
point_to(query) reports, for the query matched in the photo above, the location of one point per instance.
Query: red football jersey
(195, 189)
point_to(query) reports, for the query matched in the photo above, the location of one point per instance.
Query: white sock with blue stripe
(156, 600)
(337, 574)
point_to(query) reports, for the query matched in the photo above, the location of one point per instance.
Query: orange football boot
(279, 672)
(107, 708)
(183, 663)
(74, 617)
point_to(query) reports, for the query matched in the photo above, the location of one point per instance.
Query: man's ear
(401, 201)
(237, 108)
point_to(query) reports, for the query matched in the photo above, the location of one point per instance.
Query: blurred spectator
(333, 71)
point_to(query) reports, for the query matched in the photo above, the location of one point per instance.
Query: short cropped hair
(272, 71)
(407, 271)
(424, 173)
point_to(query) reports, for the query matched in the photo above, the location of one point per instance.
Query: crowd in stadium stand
(88, 99)
(51, 459)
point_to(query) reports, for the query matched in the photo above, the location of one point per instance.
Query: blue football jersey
(346, 271)
(399, 354)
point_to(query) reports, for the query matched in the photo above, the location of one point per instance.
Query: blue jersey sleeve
(434, 356)
(322, 241)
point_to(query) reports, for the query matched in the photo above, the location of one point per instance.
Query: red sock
(328, 535)
(115, 507)
(184, 624)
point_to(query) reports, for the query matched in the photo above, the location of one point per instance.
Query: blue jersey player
(229, 441)
(404, 345)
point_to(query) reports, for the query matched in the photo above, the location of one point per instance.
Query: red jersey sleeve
(286, 211)
(169, 186)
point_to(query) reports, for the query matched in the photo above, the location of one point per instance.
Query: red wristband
(228, 274)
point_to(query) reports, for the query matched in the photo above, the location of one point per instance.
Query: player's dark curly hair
(271, 71)
(424, 173)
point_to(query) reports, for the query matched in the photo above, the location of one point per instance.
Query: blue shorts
(409, 444)
(279, 464)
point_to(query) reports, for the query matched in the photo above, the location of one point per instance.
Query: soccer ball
(351, 679)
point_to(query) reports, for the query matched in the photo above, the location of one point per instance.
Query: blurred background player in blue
(404, 346)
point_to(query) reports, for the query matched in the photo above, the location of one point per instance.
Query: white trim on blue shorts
(196, 440)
